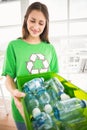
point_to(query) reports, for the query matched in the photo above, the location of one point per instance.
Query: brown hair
(41, 7)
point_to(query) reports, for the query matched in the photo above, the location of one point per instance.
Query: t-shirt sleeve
(9, 66)
(54, 61)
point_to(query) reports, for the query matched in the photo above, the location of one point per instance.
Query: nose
(36, 26)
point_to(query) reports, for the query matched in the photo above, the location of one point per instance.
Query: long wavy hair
(40, 7)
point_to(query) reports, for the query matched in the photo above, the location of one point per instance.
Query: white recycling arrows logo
(32, 60)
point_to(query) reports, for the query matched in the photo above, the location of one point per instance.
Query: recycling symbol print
(37, 64)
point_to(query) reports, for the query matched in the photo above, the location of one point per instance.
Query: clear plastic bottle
(76, 124)
(31, 102)
(69, 109)
(56, 89)
(49, 110)
(52, 91)
(43, 97)
(60, 88)
(42, 121)
(25, 88)
(33, 85)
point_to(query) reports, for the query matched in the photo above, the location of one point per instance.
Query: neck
(33, 40)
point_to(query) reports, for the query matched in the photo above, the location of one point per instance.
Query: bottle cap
(36, 112)
(64, 96)
(85, 103)
(48, 108)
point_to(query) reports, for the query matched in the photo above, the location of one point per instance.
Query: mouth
(35, 31)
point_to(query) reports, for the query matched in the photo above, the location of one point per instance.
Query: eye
(41, 23)
(32, 21)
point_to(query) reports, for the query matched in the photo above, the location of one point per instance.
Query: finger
(17, 93)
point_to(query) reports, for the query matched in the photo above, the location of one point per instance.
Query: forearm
(10, 84)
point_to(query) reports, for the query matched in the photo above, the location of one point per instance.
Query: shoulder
(50, 45)
(14, 43)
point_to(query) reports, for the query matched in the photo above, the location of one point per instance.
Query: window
(10, 13)
(10, 24)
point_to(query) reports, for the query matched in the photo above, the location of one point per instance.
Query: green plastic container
(70, 89)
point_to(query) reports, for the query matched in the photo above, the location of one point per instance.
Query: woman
(32, 53)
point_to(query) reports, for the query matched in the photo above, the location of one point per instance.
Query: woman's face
(36, 23)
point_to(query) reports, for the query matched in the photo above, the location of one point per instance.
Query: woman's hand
(17, 95)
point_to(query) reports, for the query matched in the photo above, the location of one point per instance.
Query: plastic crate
(70, 89)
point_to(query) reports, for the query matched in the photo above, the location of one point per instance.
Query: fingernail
(23, 94)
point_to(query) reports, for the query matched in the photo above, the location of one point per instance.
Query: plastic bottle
(69, 109)
(25, 88)
(31, 102)
(43, 97)
(33, 85)
(51, 90)
(48, 109)
(60, 89)
(36, 87)
(55, 90)
(42, 121)
(76, 124)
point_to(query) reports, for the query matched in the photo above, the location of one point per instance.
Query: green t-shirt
(23, 58)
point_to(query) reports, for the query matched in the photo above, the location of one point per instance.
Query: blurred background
(67, 32)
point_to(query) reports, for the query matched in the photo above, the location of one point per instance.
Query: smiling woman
(32, 53)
